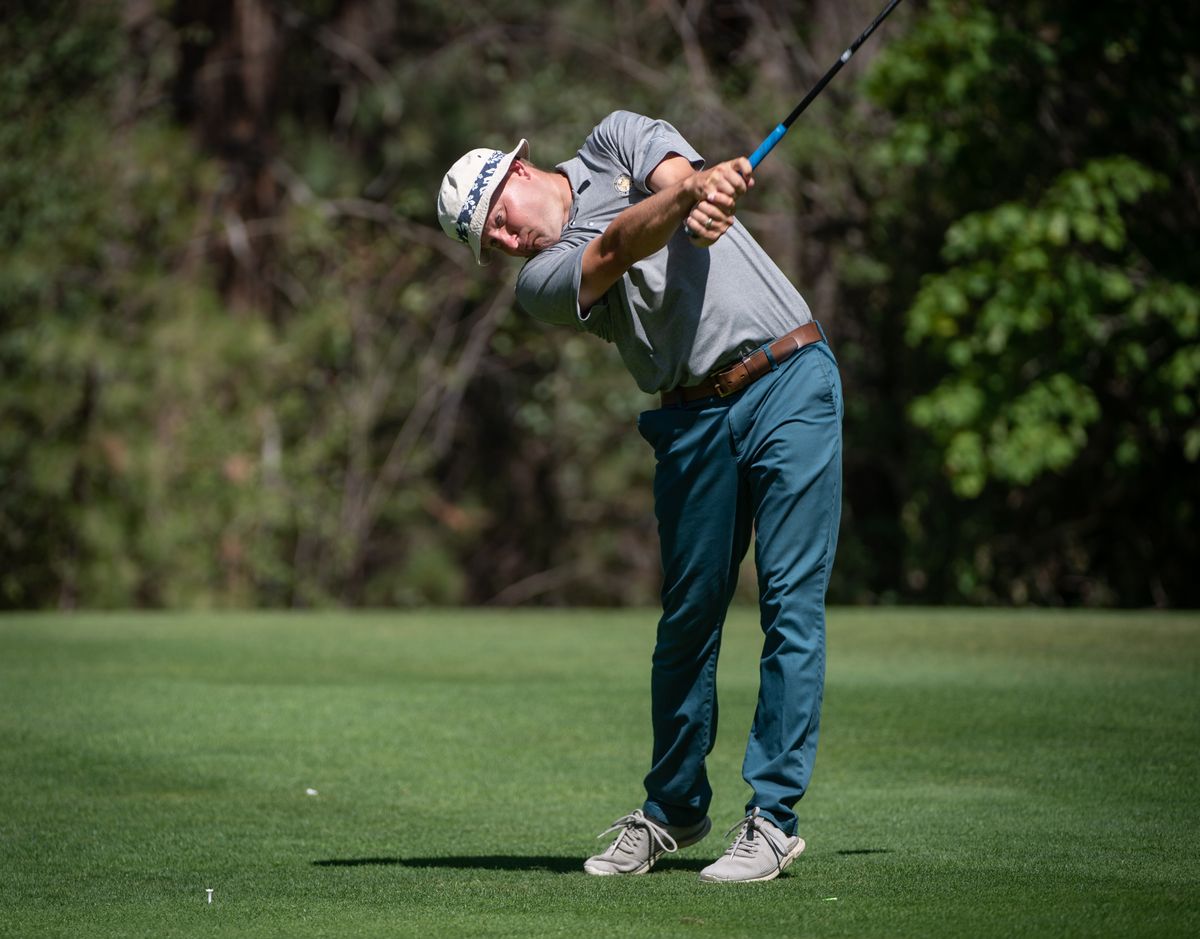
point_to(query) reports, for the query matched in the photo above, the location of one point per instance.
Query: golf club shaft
(777, 134)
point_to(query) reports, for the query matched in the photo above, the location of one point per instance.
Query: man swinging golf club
(749, 433)
(635, 240)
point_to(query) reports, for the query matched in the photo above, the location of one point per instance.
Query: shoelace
(745, 845)
(635, 820)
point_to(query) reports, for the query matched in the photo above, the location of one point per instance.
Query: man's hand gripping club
(722, 186)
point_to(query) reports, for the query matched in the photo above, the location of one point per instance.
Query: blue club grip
(765, 147)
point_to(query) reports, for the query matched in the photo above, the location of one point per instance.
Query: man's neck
(565, 193)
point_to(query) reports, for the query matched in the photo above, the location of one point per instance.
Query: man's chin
(540, 244)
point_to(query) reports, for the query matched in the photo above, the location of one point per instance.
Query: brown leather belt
(744, 373)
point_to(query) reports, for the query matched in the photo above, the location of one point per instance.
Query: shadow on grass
(514, 862)
(494, 862)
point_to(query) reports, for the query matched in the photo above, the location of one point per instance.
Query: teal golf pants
(766, 460)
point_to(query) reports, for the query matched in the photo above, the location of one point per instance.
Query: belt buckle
(724, 390)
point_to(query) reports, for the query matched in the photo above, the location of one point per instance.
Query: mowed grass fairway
(980, 774)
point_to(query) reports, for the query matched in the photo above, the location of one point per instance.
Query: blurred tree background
(241, 366)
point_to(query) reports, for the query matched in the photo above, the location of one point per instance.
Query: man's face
(525, 216)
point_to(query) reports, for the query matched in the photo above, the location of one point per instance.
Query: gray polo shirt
(678, 314)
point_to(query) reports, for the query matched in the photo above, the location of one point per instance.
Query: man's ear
(518, 167)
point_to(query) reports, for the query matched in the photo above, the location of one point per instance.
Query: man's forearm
(642, 229)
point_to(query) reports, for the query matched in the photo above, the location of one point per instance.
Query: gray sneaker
(761, 851)
(640, 842)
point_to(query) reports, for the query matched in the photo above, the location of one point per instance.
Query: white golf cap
(466, 194)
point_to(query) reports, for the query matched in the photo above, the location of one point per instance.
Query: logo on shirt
(623, 184)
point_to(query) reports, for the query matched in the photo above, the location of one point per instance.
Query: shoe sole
(783, 865)
(645, 868)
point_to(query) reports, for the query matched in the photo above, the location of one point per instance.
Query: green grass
(980, 774)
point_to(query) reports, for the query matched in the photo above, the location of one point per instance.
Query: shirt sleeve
(548, 285)
(640, 143)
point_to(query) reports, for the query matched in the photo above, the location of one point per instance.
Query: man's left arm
(706, 199)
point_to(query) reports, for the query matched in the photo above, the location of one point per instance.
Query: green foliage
(125, 385)
(355, 437)
(239, 364)
(1047, 152)
(1040, 307)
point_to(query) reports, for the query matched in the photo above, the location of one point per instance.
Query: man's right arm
(706, 198)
